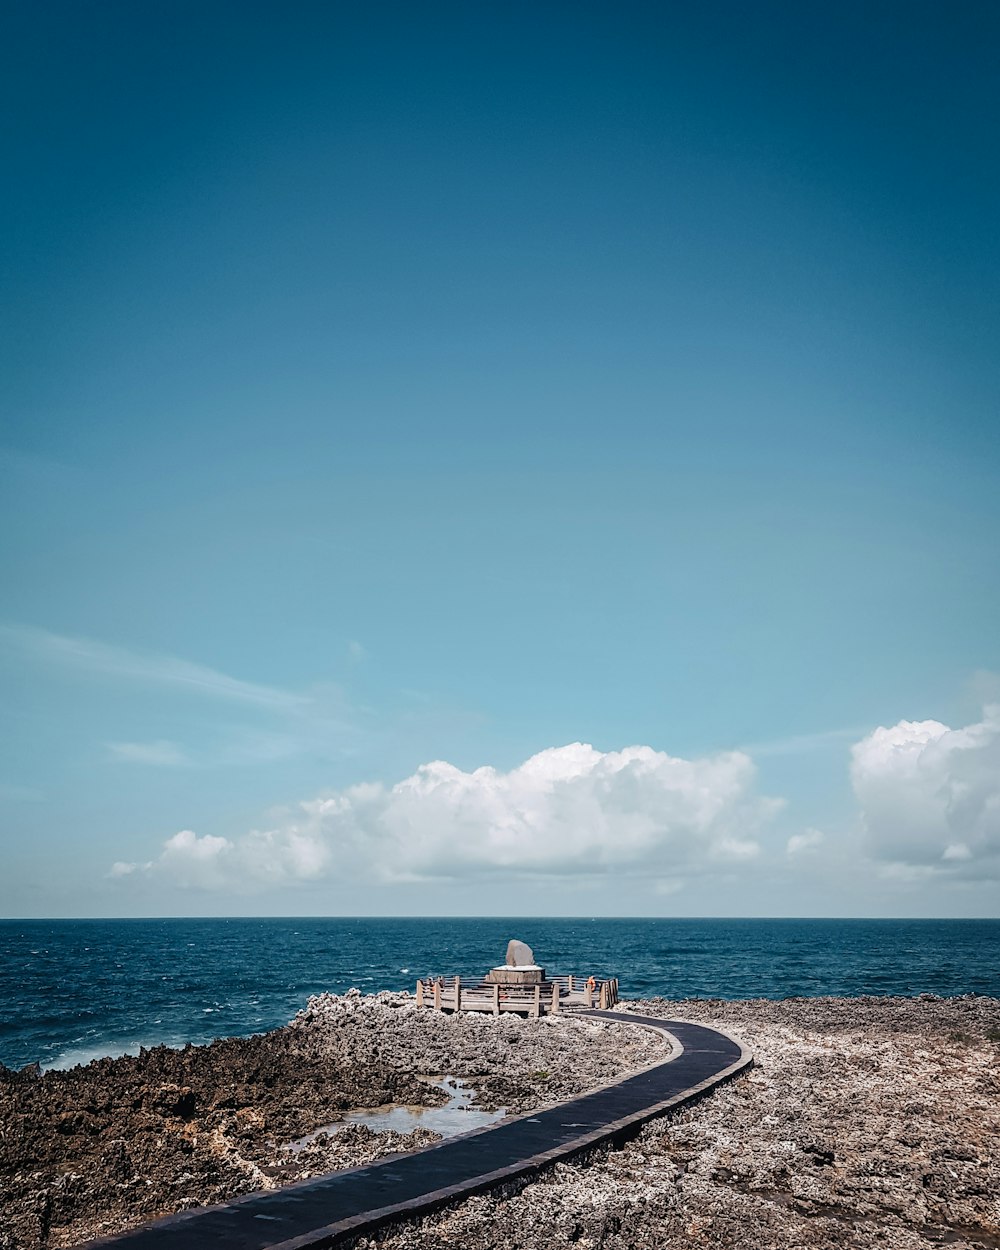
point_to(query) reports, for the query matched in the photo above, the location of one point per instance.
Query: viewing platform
(520, 986)
(546, 997)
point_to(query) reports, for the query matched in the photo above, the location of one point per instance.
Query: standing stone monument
(520, 967)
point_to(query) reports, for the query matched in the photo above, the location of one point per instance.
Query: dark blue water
(71, 990)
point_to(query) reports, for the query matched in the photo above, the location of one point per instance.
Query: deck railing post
(527, 1000)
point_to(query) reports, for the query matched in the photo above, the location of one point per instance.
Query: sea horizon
(72, 990)
(438, 916)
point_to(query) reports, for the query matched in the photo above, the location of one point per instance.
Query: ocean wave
(80, 1056)
(68, 1004)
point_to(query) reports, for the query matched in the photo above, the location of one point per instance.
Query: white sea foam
(75, 1056)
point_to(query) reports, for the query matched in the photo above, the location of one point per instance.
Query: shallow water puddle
(454, 1117)
(451, 1118)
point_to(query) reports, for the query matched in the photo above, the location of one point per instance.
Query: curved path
(323, 1212)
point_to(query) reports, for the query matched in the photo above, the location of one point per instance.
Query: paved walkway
(341, 1205)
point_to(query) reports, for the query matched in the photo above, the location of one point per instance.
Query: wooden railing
(553, 995)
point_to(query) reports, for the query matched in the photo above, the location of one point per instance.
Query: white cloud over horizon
(930, 797)
(569, 811)
(928, 809)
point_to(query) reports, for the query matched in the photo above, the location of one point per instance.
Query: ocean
(74, 990)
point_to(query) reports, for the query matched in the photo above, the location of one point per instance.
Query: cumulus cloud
(121, 869)
(930, 796)
(260, 858)
(569, 810)
(809, 840)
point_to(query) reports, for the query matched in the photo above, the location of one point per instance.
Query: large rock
(519, 955)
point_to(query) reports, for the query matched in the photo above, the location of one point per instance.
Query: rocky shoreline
(864, 1122)
(102, 1148)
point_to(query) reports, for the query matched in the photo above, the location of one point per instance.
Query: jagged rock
(102, 1148)
(809, 1148)
(867, 1122)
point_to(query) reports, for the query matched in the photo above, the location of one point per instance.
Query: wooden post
(604, 996)
(458, 993)
(496, 999)
(420, 993)
(555, 997)
(538, 1001)
(437, 995)
(569, 983)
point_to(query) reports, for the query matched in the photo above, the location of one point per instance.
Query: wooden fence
(553, 995)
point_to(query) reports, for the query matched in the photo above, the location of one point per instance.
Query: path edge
(344, 1231)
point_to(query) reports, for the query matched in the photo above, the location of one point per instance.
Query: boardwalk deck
(563, 993)
(332, 1209)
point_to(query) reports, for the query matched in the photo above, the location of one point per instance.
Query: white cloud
(930, 795)
(258, 859)
(809, 840)
(149, 667)
(568, 811)
(957, 850)
(120, 869)
(736, 849)
(161, 753)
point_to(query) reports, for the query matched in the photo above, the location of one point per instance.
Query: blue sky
(461, 382)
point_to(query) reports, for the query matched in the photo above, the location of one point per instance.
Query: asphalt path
(342, 1205)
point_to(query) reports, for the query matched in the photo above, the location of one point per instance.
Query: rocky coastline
(102, 1148)
(864, 1122)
